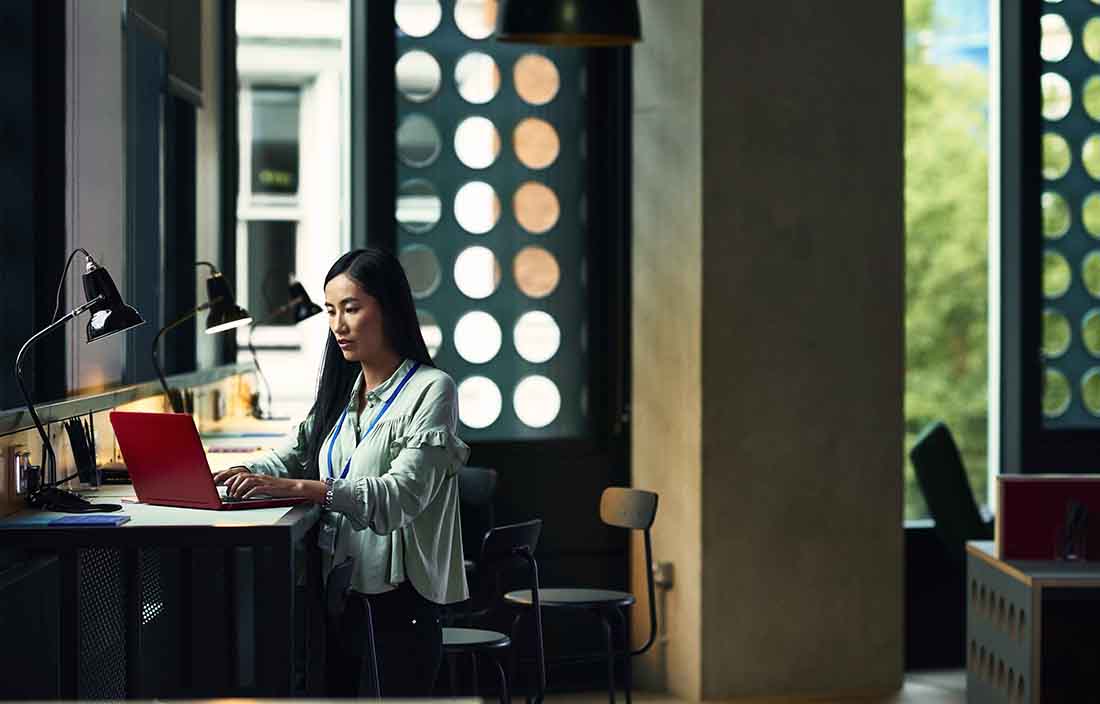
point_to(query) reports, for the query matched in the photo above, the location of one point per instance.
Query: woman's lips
(344, 344)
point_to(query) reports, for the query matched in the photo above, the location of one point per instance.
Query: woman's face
(355, 319)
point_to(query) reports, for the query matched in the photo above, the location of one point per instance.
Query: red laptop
(168, 466)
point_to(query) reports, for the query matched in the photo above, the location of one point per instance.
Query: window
(491, 216)
(946, 213)
(292, 223)
(269, 206)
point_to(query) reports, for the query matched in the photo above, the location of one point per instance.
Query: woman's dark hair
(379, 274)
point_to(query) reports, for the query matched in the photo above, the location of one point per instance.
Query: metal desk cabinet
(205, 606)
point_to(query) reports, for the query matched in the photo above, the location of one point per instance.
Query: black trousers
(408, 637)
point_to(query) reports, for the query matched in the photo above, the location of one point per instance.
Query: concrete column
(768, 342)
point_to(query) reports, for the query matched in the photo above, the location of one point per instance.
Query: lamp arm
(256, 363)
(51, 457)
(156, 349)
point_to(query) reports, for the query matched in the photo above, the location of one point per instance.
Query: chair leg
(473, 671)
(452, 668)
(627, 674)
(610, 642)
(374, 674)
(505, 695)
(513, 656)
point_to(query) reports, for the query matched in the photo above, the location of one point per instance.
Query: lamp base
(51, 498)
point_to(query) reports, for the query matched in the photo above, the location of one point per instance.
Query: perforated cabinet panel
(101, 625)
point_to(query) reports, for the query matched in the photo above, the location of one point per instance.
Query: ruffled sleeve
(456, 451)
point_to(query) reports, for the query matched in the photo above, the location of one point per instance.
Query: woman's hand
(247, 485)
(231, 477)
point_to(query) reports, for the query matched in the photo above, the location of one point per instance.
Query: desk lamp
(300, 307)
(109, 315)
(225, 315)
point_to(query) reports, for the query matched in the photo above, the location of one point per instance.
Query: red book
(1034, 510)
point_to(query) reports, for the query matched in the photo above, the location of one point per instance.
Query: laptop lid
(165, 458)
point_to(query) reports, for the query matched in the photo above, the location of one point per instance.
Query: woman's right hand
(231, 477)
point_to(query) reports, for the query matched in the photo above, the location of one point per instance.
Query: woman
(378, 451)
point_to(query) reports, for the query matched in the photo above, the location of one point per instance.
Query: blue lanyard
(381, 412)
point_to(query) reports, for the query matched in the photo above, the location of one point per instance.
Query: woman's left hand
(252, 485)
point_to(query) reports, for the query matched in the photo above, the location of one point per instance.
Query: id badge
(326, 536)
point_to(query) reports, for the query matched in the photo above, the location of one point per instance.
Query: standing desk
(179, 602)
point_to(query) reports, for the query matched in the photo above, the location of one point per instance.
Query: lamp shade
(569, 22)
(225, 314)
(301, 305)
(110, 315)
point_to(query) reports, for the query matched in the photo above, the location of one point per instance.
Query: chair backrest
(628, 508)
(502, 542)
(946, 488)
(476, 488)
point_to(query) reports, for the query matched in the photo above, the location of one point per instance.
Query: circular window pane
(536, 272)
(1090, 214)
(477, 337)
(1090, 97)
(1090, 332)
(430, 330)
(1090, 391)
(418, 75)
(477, 273)
(1090, 156)
(477, 77)
(477, 207)
(536, 78)
(417, 18)
(1057, 39)
(536, 143)
(1056, 393)
(536, 207)
(422, 269)
(1056, 333)
(1090, 273)
(1090, 38)
(418, 206)
(479, 402)
(536, 336)
(1056, 156)
(537, 401)
(1056, 274)
(418, 141)
(1057, 96)
(476, 18)
(477, 142)
(1056, 215)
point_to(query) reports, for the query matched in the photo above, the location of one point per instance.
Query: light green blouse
(396, 513)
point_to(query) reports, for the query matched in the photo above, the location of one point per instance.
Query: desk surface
(1047, 573)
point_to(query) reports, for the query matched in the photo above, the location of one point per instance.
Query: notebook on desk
(168, 466)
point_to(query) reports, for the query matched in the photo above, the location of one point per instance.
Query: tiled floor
(920, 688)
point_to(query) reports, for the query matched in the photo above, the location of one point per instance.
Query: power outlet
(663, 575)
(15, 468)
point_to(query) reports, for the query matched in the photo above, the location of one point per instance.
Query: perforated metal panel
(101, 671)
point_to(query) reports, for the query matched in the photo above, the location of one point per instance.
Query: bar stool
(503, 548)
(624, 508)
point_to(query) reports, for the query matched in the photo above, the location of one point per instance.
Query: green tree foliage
(946, 223)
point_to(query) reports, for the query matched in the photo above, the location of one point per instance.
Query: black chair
(476, 488)
(947, 491)
(623, 508)
(504, 548)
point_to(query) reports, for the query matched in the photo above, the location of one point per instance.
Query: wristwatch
(327, 503)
